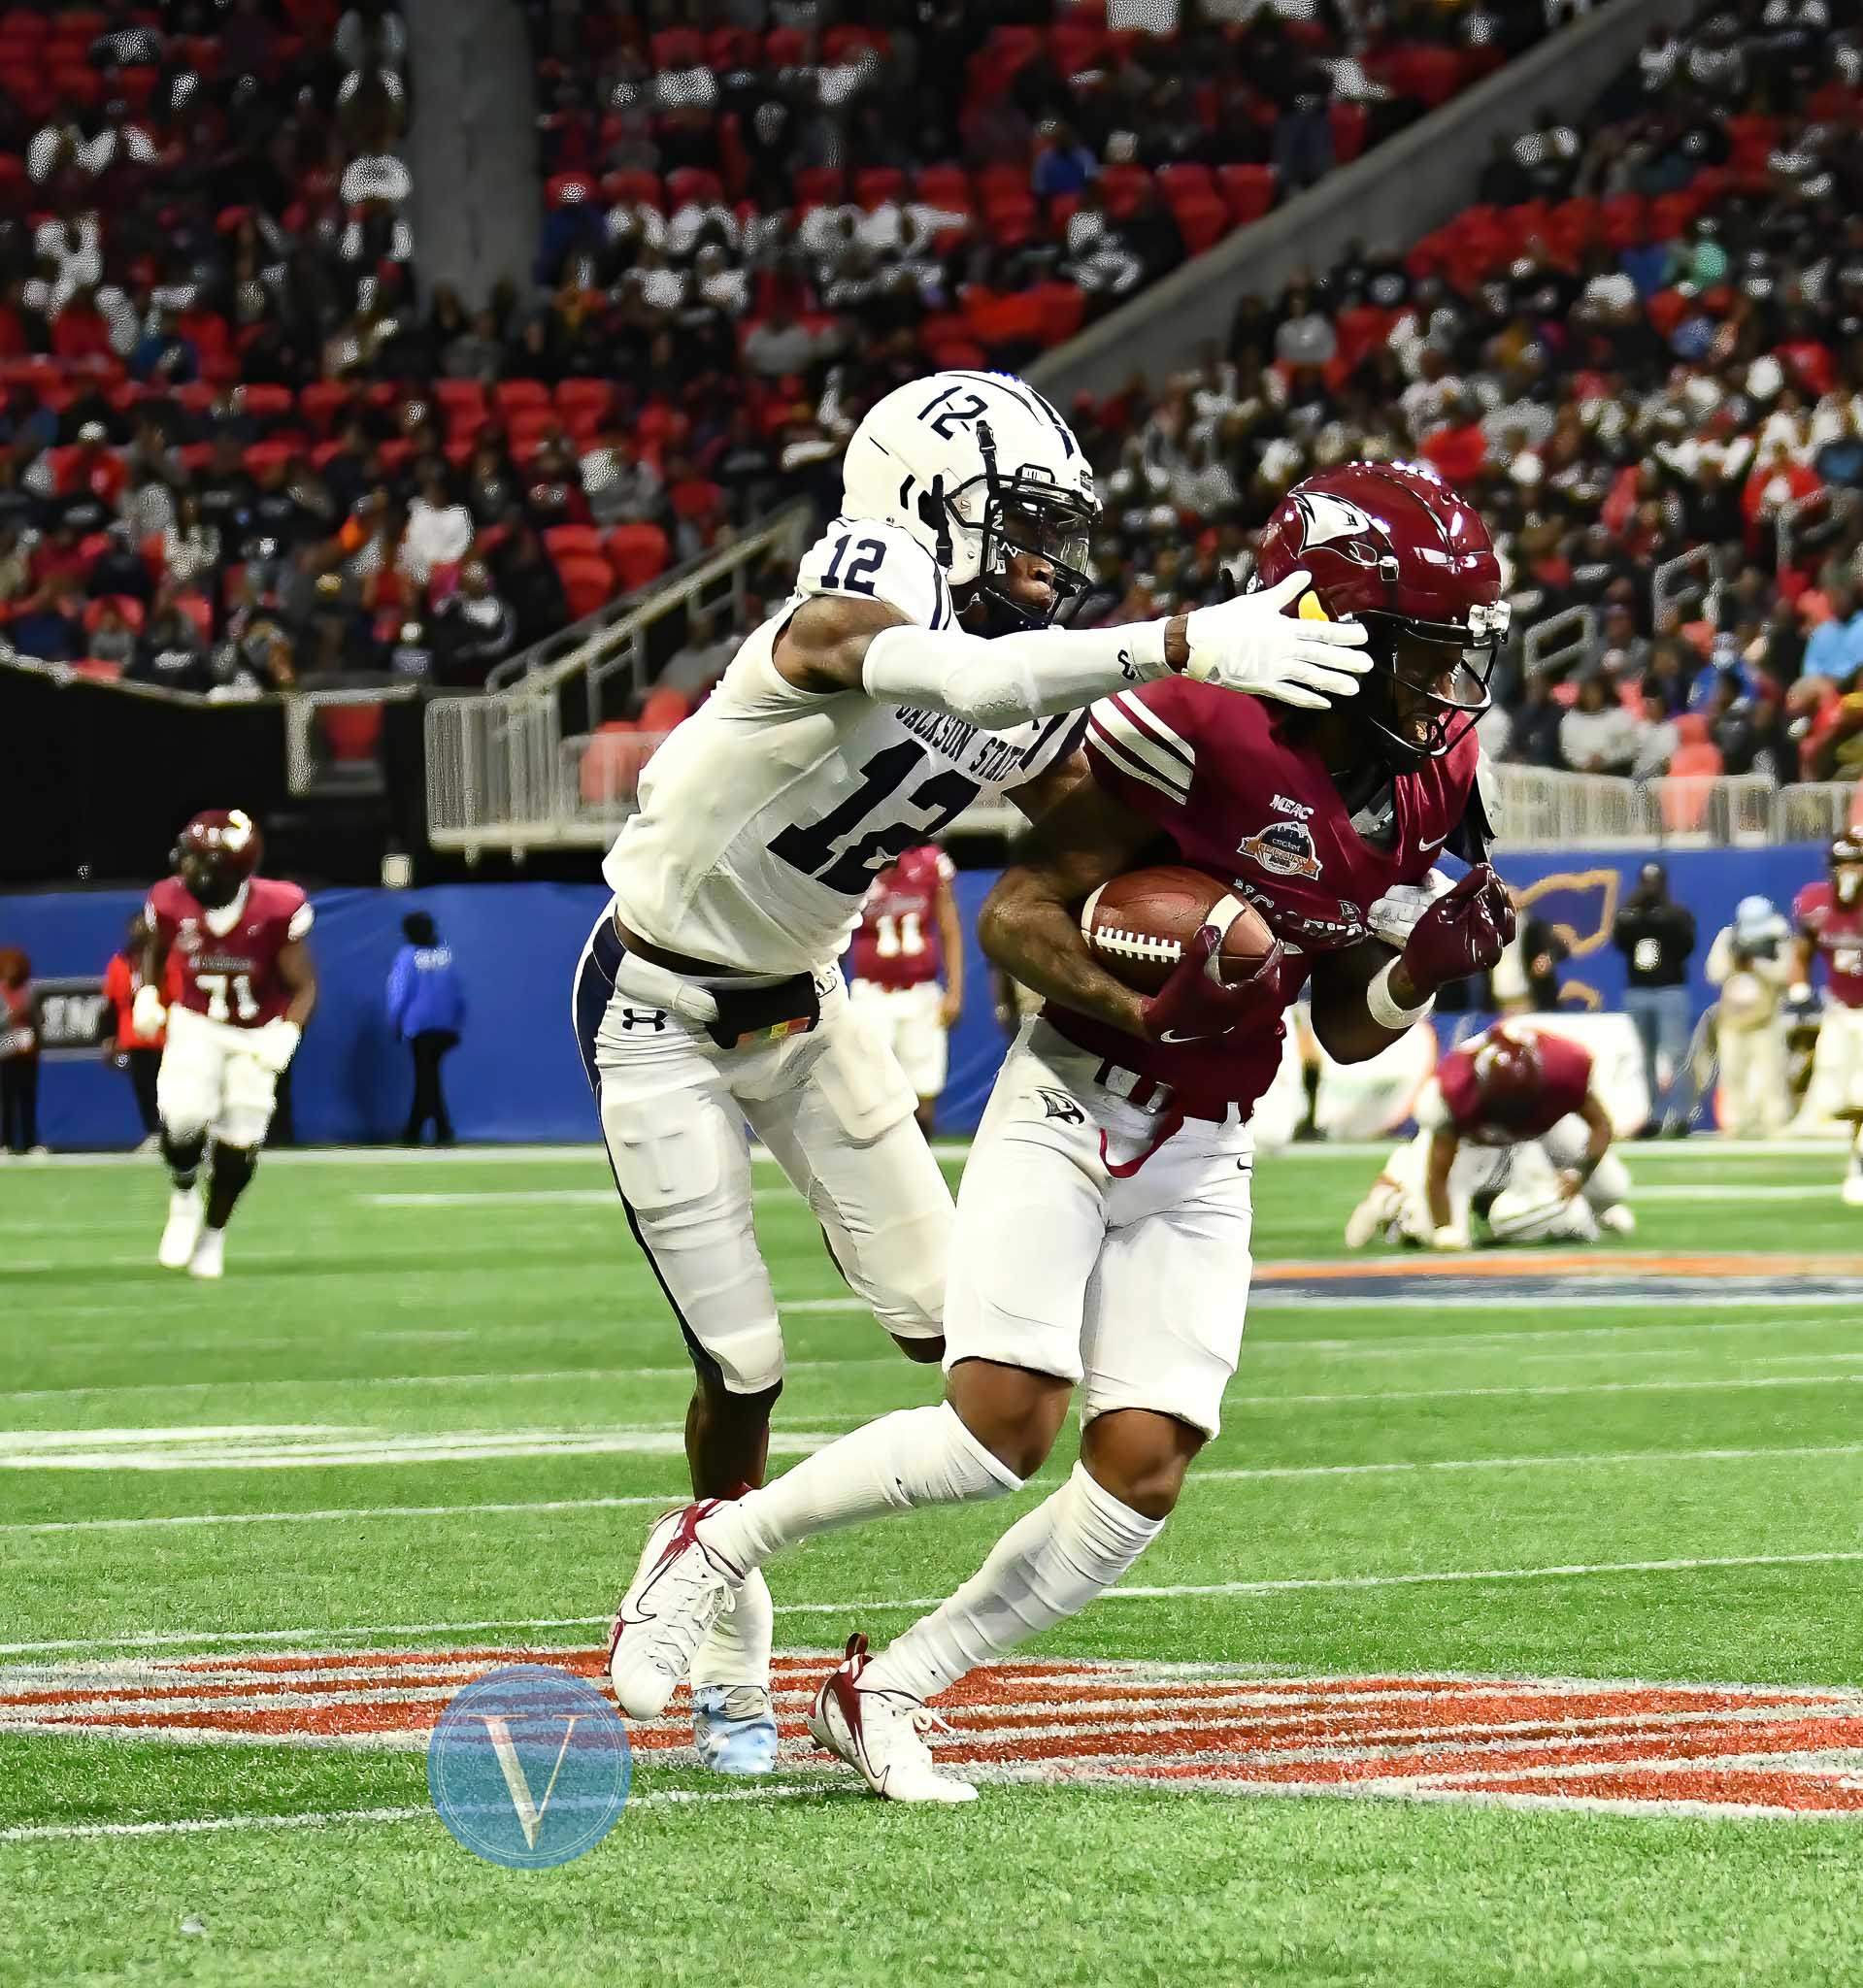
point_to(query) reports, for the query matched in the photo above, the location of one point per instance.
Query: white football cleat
(734, 1728)
(182, 1229)
(678, 1590)
(879, 1734)
(1853, 1188)
(1617, 1220)
(209, 1259)
(1379, 1207)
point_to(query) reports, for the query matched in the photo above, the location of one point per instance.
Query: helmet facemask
(1025, 513)
(1429, 682)
(1846, 871)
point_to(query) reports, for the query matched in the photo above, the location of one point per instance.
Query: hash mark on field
(1659, 1748)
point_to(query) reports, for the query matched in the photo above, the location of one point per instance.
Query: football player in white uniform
(912, 671)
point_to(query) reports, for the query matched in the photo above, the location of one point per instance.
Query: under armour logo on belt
(1060, 1105)
(654, 1018)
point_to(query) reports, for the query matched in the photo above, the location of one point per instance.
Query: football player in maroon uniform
(1103, 1226)
(908, 934)
(1512, 1131)
(1829, 916)
(248, 987)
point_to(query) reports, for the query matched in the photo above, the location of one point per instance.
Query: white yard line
(181, 1639)
(1732, 1191)
(328, 1818)
(660, 1500)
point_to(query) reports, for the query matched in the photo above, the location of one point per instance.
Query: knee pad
(182, 1149)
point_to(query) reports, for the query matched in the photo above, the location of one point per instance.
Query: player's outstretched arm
(951, 940)
(298, 971)
(148, 1010)
(1444, 1144)
(1030, 925)
(1249, 644)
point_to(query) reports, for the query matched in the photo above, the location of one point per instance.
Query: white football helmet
(976, 466)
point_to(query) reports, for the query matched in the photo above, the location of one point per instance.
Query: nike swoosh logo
(1172, 1036)
(1438, 842)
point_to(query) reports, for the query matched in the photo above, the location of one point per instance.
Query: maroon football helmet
(1846, 870)
(215, 853)
(1392, 546)
(1508, 1075)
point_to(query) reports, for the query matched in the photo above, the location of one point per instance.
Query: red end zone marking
(1677, 1748)
(1515, 1263)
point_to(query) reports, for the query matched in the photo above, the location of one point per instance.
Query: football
(1138, 925)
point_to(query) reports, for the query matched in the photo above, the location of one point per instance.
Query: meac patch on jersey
(858, 558)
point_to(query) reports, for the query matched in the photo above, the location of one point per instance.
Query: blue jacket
(425, 992)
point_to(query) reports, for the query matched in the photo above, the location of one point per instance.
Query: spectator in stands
(1656, 937)
(1835, 648)
(110, 640)
(779, 345)
(138, 1057)
(474, 630)
(18, 1057)
(1597, 735)
(48, 624)
(438, 531)
(474, 352)
(1062, 163)
(1656, 739)
(526, 578)
(698, 663)
(171, 654)
(621, 484)
(191, 546)
(427, 1010)
(120, 569)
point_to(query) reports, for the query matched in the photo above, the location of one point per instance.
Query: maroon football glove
(1190, 1007)
(1464, 931)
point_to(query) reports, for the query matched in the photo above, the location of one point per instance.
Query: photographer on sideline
(1656, 937)
(1749, 964)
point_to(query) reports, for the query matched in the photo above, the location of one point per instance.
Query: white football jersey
(767, 812)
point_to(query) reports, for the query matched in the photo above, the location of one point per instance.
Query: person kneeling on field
(1512, 1132)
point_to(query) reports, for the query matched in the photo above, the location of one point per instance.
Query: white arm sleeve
(1004, 681)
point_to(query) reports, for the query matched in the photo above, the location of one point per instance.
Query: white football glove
(1249, 645)
(1393, 917)
(147, 1014)
(276, 1044)
(1449, 1236)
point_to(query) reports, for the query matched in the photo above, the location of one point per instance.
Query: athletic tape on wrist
(1382, 1008)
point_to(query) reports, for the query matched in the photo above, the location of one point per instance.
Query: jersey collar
(221, 921)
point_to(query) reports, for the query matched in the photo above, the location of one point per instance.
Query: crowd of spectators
(761, 215)
(1645, 339)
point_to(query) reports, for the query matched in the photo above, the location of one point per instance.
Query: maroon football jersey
(1565, 1080)
(897, 943)
(1838, 936)
(1229, 779)
(230, 976)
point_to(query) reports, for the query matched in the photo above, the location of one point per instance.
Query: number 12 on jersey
(833, 853)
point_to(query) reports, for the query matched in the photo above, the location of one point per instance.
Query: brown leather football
(1138, 925)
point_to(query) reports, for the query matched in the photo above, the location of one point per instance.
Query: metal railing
(1833, 504)
(502, 774)
(1691, 578)
(315, 757)
(1541, 809)
(1553, 644)
(613, 639)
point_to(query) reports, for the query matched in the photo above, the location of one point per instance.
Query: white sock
(737, 1652)
(912, 1458)
(1049, 1565)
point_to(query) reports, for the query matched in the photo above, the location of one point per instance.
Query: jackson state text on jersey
(1228, 777)
(896, 944)
(766, 816)
(1565, 1079)
(1838, 934)
(230, 976)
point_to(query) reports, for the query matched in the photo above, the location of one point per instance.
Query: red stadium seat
(570, 189)
(1202, 222)
(594, 396)
(844, 42)
(1185, 181)
(1125, 187)
(572, 542)
(126, 605)
(945, 186)
(639, 552)
(588, 583)
(664, 708)
(268, 403)
(694, 187)
(786, 48)
(633, 190)
(875, 186)
(677, 48)
(323, 401)
(1351, 125)
(352, 731)
(511, 395)
(1247, 190)
(821, 186)
(1063, 306)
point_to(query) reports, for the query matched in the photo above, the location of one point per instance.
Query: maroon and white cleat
(880, 1735)
(678, 1592)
